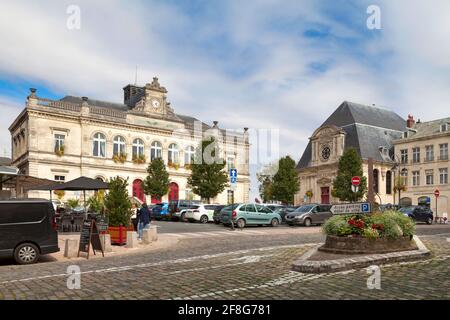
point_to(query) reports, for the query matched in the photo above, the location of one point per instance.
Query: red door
(325, 195)
(138, 192)
(173, 191)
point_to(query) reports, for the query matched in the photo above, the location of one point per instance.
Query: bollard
(105, 240)
(71, 248)
(132, 241)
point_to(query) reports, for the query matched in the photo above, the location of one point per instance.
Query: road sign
(351, 208)
(355, 189)
(233, 173)
(437, 193)
(356, 181)
(233, 179)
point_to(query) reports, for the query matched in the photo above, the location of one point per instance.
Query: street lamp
(397, 165)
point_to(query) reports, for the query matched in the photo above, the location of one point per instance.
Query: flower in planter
(139, 159)
(121, 157)
(60, 151)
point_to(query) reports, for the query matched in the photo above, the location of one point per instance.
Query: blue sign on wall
(233, 173)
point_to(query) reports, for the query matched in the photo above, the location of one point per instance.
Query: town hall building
(64, 139)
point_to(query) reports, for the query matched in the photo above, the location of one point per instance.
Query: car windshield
(230, 208)
(195, 207)
(304, 209)
(406, 209)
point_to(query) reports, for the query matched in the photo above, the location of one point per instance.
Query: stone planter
(360, 245)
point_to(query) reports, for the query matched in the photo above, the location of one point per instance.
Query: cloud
(254, 64)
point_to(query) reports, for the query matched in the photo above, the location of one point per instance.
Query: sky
(274, 65)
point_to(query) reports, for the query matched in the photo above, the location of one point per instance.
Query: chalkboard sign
(90, 236)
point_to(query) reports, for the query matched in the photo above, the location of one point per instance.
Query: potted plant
(118, 210)
(120, 157)
(174, 165)
(139, 159)
(309, 194)
(60, 151)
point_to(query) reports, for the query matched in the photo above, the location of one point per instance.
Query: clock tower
(150, 99)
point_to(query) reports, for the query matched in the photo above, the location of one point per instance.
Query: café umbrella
(80, 184)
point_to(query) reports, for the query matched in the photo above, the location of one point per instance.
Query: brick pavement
(218, 268)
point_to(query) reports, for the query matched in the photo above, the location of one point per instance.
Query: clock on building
(326, 152)
(155, 103)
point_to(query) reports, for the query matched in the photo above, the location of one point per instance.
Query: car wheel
(307, 222)
(182, 217)
(204, 219)
(241, 223)
(274, 222)
(430, 221)
(26, 253)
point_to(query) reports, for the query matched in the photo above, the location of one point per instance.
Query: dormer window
(405, 134)
(444, 127)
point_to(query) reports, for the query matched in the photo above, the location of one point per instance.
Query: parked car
(28, 229)
(309, 214)
(249, 214)
(160, 211)
(217, 208)
(176, 208)
(202, 213)
(418, 213)
(281, 209)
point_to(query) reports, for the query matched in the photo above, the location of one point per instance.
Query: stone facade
(370, 131)
(424, 163)
(103, 140)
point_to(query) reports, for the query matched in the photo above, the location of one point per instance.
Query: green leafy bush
(371, 233)
(337, 226)
(117, 203)
(73, 203)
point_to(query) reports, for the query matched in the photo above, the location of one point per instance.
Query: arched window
(173, 154)
(119, 145)
(375, 181)
(138, 148)
(388, 182)
(99, 145)
(155, 151)
(189, 154)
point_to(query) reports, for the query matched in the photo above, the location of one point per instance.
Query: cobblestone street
(244, 267)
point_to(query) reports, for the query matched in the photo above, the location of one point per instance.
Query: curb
(307, 266)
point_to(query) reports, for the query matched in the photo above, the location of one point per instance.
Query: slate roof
(5, 161)
(189, 121)
(427, 129)
(367, 129)
(349, 113)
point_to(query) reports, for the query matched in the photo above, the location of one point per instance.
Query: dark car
(158, 211)
(418, 213)
(217, 208)
(177, 206)
(309, 214)
(27, 229)
(283, 211)
(226, 213)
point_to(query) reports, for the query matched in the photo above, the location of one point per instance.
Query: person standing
(143, 220)
(134, 216)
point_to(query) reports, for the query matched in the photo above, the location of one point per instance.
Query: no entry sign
(437, 193)
(356, 181)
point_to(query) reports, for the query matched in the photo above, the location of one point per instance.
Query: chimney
(410, 122)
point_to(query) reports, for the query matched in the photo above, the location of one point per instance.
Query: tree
(157, 182)
(208, 177)
(96, 203)
(350, 165)
(117, 203)
(265, 178)
(266, 189)
(285, 181)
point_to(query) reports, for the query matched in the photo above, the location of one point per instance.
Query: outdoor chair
(77, 223)
(66, 223)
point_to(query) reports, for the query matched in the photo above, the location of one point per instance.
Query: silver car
(309, 214)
